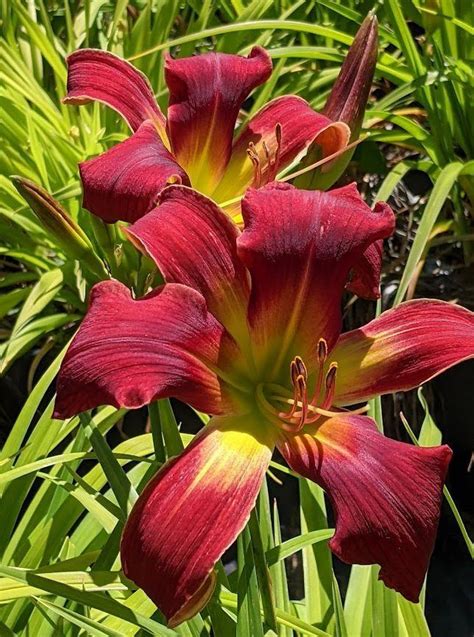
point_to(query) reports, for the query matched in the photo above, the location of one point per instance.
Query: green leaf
(118, 479)
(248, 611)
(251, 25)
(412, 618)
(278, 574)
(91, 627)
(40, 296)
(230, 601)
(169, 428)
(11, 299)
(358, 603)
(295, 544)
(263, 574)
(317, 564)
(60, 584)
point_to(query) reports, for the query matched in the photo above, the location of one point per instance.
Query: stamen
(267, 170)
(322, 356)
(297, 370)
(330, 386)
(301, 367)
(266, 151)
(294, 376)
(322, 351)
(303, 394)
(255, 159)
(302, 411)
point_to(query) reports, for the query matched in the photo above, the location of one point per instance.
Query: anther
(255, 159)
(330, 386)
(301, 367)
(331, 376)
(266, 151)
(303, 398)
(322, 351)
(278, 135)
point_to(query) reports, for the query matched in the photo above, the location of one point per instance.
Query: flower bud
(348, 98)
(68, 235)
(346, 103)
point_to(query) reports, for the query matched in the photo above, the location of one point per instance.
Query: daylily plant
(247, 328)
(194, 144)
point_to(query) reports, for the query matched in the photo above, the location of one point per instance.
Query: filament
(302, 411)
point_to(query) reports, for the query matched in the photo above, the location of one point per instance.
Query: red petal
(299, 247)
(301, 126)
(386, 495)
(193, 242)
(365, 275)
(102, 76)
(129, 352)
(124, 182)
(206, 93)
(191, 512)
(402, 349)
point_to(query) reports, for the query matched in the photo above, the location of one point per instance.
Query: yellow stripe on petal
(191, 512)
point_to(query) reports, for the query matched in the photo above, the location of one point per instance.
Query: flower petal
(300, 128)
(124, 182)
(386, 495)
(299, 247)
(99, 75)
(129, 352)
(206, 93)
(191, 512)
(402, 349)
(193, 242)
(365, 275)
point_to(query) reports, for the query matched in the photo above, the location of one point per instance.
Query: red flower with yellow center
(247, 329)
(194, 145)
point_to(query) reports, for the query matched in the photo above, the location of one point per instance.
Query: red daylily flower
(247, 329)
(194, 144)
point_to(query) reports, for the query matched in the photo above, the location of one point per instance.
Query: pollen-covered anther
(266, 166)
(303, 400)
(322, 353)
(257, 164)
(330, 386)
(300, 367)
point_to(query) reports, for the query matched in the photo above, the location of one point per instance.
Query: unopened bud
(68, 235)
(346, 104)
(349, 95)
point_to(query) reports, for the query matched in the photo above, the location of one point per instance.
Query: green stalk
(263, 574)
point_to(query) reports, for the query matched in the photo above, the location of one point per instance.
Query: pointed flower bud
(348, 98)
(68, 235)
(346, 104)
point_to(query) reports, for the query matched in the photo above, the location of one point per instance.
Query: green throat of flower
(292, 410)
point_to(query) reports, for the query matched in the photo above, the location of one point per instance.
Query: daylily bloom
(194, 144)
(247, 329)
